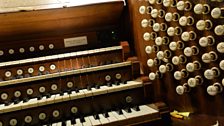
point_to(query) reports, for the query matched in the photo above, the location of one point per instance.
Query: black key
(117, 82)
(48, 95)
(47, 72)
(89, 87)
(136, 108)
(39, 97)
(25, 100)
(119, 112)
(7, 103)
(125, 82)
(16, 101)
(96, 116)
(27, 75)
(82, 119)
(109, 84)
(128, 110)
(73, 121)
(69, 91)
(19, 77)
(97, 86)
(63, 123)
(40, 73)
(61, 93)
(106, 115)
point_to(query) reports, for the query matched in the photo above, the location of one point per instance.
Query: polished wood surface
(55, 22)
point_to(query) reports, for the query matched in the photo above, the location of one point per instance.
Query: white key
(99, 91)
(59, 124)
(144, 109)
(42, 101)
(111, 117)
(94, 122)
(119, 117)
(17, 106)
(113, 88)
(103, 120)
(69, 123)
(78, 122)
(128, 115)
(87, 93)
(2, 106)
(77, 95)
(54, 124)
(8, 108)
(87, 122)
(33, 102)
(51, 99)
(66, 97)
(58, 98)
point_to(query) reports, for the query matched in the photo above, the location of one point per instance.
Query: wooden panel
(59, 21)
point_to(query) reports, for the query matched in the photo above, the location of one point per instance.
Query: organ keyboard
(67, 64)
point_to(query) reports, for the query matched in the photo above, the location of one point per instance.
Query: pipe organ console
(111, 62)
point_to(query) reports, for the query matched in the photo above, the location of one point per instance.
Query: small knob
(148, 49)
(221, 65)
(142, 9)
(184, 21)
(144, 23)
(190, 67)
(201, 9)
(159, 27)
(188, 51)
(152, 76)
(167, 3)
(160, 55)
(154, 13)
(152, 1)
(146, 36)
(186, 36)
(217, 12)
(162, 69)
(193, 82)
(209, 74)
(150, 62)
(177, 75)
(206, 41)
(171, 31)
(206, 58)
(204, 25)
(220, 47)
(172, 16)
(181, 89)
(214, 89)
(181, 5)
(173, 46)
(159, 41)
(176, 60)
(219, 30)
